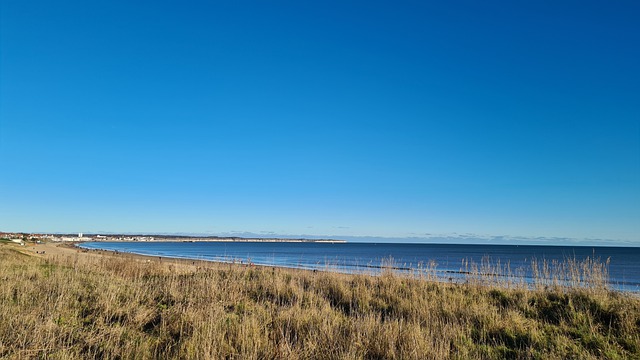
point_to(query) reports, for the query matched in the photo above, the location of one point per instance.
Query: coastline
(487, 277)
(66, 249)
(70, 302)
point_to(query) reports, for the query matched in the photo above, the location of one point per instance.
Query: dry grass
(112, 308)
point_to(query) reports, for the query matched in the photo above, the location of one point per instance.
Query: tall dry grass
(112, 308)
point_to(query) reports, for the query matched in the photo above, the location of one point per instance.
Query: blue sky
(386, 119)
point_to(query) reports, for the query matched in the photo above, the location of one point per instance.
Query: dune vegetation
(110, 307)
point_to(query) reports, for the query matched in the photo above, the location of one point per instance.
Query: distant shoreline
(144, 238)
(80, 237)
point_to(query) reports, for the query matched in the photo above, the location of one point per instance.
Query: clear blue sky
(397, 119)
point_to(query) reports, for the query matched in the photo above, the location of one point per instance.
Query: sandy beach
(51, 250)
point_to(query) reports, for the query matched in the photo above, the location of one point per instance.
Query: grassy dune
(111, 308)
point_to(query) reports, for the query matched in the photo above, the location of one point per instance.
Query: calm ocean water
(449, 259)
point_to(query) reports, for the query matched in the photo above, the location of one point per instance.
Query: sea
(446, 262)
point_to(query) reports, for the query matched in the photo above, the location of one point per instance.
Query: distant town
(21, 238)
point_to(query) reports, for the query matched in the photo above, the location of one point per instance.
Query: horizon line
(444, 239)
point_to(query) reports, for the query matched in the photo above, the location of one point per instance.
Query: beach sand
(50, 250)
(53, 249)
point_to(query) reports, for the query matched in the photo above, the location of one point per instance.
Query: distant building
(80, 235)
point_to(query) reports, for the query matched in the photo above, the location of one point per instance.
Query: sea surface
(448, 262)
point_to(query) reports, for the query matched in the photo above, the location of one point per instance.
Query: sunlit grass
(110, 307)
